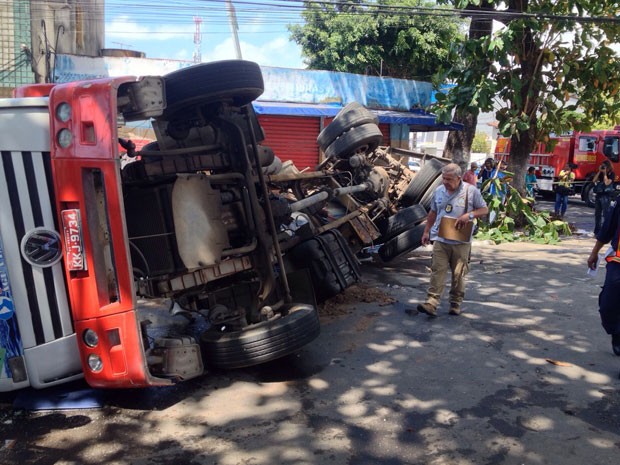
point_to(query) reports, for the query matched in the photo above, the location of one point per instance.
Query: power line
(288, 11)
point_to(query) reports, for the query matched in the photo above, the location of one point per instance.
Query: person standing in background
(530, 181)
(487, 171)
(563, 189)
(603, 188)
(470, 176)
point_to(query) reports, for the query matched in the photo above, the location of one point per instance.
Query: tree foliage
(459, 143)
(481, 143)
(380, 37)
(548, 52)
(511, 217)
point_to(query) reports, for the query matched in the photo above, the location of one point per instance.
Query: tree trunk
(530, 75)
(458, 144)
(520, 148)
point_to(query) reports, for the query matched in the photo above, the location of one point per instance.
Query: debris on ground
(558, 363)
(340, 304)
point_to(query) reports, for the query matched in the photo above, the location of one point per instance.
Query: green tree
(382, 37)
(548, 51)
(481, 143)
(459, 143)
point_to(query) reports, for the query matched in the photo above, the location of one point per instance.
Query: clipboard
(447, 229)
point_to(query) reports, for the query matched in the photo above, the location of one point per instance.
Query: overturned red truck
(586, 150)
(201, 250)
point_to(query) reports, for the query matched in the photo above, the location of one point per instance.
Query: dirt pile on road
(342, 304)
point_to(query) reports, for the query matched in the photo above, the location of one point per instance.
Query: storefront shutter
(292, 138)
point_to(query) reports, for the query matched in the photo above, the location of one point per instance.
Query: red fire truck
(200, 250)
(587, 150)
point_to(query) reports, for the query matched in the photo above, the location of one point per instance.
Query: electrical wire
(286, 12)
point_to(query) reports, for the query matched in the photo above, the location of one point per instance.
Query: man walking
(455, 204)
(609, 298)
(470, 176)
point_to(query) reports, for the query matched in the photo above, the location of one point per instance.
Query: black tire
(421, 182)
(401, 221)
(262, 342)
(403, 243)
(330, 262)
(588, 195)
(426, 199)
(238, 81)
(366, 138)
(349, 117)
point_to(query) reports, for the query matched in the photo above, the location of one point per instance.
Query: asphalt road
(525, 376)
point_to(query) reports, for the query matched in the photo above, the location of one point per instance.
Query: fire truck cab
(587, 150)
(142, 273)
(200, 250)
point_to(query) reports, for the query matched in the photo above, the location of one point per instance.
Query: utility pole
(234, 27)
(197, 40)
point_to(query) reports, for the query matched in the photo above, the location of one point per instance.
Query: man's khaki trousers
(454, 257)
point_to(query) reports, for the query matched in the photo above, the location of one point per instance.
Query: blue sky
(166, 29)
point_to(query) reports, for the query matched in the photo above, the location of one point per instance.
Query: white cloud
(122, 27)
(183, 54)
(278, 52)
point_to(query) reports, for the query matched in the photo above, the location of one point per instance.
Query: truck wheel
(364, 138)
(588, 195)
(426, 199)
(403, 243)
(261, 342)
(238, 81)
(421, 182)
(349, 117)
(401, 221)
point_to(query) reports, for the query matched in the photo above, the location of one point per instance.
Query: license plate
(74, 248)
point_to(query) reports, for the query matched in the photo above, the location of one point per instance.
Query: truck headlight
(63, 112)
(95, 363)
(90, 338)
(64, 138)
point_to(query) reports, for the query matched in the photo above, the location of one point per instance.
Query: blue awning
(418, 120)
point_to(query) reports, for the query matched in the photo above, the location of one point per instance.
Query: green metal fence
(15, 44)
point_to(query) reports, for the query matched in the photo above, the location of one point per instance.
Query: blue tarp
(290, 91)
(417, 120)
(59, 398)
(330, 87)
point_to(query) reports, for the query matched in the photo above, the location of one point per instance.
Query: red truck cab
(586, 150)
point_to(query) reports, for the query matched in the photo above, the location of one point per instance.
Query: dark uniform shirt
(611, 228)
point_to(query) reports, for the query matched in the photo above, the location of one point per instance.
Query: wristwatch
(471, 216)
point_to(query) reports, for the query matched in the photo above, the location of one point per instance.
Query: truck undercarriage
(228, 248)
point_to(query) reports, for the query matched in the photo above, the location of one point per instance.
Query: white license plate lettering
(72, 229)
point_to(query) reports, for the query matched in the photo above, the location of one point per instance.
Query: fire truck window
(611, 148)
(587, 144)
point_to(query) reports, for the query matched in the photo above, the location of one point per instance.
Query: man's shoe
(455, 309)
(615, 343)
(428, 309)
